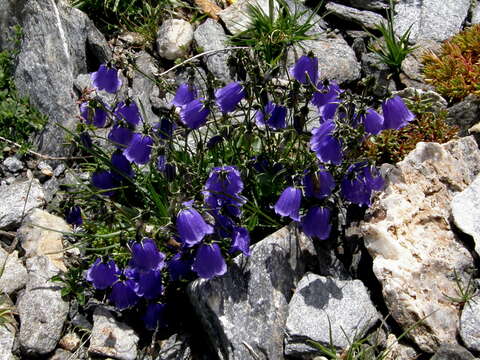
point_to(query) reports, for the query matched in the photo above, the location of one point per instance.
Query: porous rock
(465, 115)
(415, 252)
(41, 309)
(365, 18)
(111, 338)
(470, 324)
(368, 4)
(174, 38)
(14, 276)
(244, 312)
(13, 164)
(236, 17)
(176, 347)
(19, 198)
(41, 235)
(328, 311)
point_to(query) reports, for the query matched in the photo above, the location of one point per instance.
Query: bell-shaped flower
(139, 149)
(327, 100)
(74, 216)
(102, 275)
(129, 112)
(179, 267)
(155, 316)
(288, 204)
(185, 94)
(191, 227)
(209, 261)
(230, 204)
(94, 113)
(146, 256)
(304, 69)
(121, 166)
(123, 294)
(105, 181)
(240, 241)
(194, 114)
(318, 185)
(272, 116)
(120, 136)
(164, 128)
(229, 96)
(395, 113)
(106, 78)
(85, 140)
(148, 284)
(372, 122)
(316, 223)
(224, 179)
(359, 182)
(327, 147)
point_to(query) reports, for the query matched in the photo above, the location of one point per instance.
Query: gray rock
(50, 188)
(323, 305)
(111, 338)
(236, 17)
(176, 347)
(143, 87)
(373, 67)
(7, 331)
(210, 36)
(434, 100)
(45, 168)
(466, 211)
(476, 13)
(52, 54)
(452, 352)
(470, 324)
(336, 59)
(244, 311)
(465, 114)
(411, 74)
(61, 354)
(17, 200)
(59, 169)
(369, 4)
(14, 275)
(365, 18)
(432, 19)
(41, 309)
(13, 164)
(174, 38)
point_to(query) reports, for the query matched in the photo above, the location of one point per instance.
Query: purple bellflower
(179, 267)
(395, 113)
(272, 116)
(74, 216)
(305, 66)
(146, 256)
(288, 204)
(120, 136)
(121, 166)
(86, 140)
(191, 226)
(123, 294)
(318, 185)
(316, 223)
(240, 241)
(106, 78)
(94, 113)
(359, 182)
(209, 261)
(229, 96)
(102, 275)
(224, 179)
(164, 129)
(139, 149)
(148, 284)
(104, 180)
(155, 316)
(194, 114)
(327, 100)
(129, 112)
(372, 122)
(185, 94)
(327, 147)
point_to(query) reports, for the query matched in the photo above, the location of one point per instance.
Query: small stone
(327, 311)
(13, 164)
(236, 17)
(112, 338)
(368, 19)
(174, 38)
(470, 324)
(14, 275)
(452, 352)
(10, 180)
(176, 347)
(70, 342)
(59, 169)
(61, 354)
(45, 169)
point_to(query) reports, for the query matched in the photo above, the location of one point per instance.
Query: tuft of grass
(455, 71)
(465, 293)
(269, 35)
(392, 49)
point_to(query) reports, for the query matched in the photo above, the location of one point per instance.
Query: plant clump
(455, 70)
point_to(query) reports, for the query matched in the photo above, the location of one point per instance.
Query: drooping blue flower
(102, 275)
(123, 294)
(155, 316)
(105, 181)
(74, 216)
(316, 223)
(327, 147)
(164, 128)
(359, 182)
(209, 262)
(185, 94)
(194, 114)
(129, 112)
(327, 100)
(288, 204)
(120, 136)
(179, 267)
(106, 78)
(230, 204)
(275, 116)
(372, 121)
(240, 241)
(191, 227)
(86, 140)
(146, 256)
(224, 225)
(229, 96)
(213, 141)
(318, 185)
(304, 69)
(94, 113)
(139, 149)
(121, 166)
(224, 179)
(148, 284)
(395, 113)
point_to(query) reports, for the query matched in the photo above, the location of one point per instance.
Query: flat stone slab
(14, 276)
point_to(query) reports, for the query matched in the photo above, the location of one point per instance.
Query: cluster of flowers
(360, 179)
